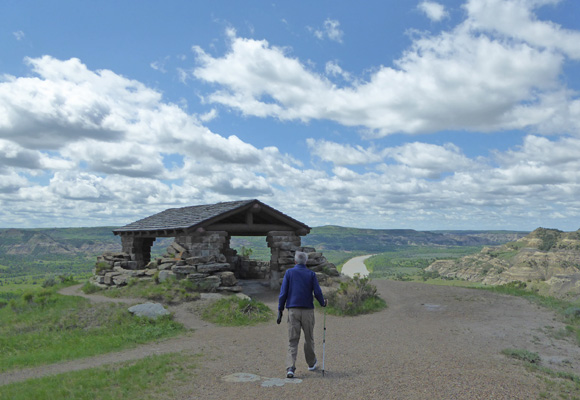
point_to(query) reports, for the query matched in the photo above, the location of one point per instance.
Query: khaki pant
(300, 318)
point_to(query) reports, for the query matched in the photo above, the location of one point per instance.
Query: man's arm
(318, 291)
(282, 298)
(283, 293)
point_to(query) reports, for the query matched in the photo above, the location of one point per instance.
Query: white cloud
(341, 154)
(433, 10)
(333, 69)
(48, 124)
(208, 116)
(112, 169)
(11, 182)
(469, 78)
(515, 19)
(19, 35)
(430, 160)
(331, 31)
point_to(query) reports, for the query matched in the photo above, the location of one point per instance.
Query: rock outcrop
(548, 257)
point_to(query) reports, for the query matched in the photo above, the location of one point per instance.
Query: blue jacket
(297, 287)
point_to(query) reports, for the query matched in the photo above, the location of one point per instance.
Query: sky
(426, 115)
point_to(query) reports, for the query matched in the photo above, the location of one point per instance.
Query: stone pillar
(206, 244)
(138, 248)
(283, 246)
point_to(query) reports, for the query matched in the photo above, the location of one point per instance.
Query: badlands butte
(546, 260)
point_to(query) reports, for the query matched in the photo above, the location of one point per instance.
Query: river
(356, 265)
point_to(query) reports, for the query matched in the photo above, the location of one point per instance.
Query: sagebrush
(356, 296)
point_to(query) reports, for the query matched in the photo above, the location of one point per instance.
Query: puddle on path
(266, 382)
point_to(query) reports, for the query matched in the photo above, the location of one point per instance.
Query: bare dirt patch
(431, 343)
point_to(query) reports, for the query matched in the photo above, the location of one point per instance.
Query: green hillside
(35, 253)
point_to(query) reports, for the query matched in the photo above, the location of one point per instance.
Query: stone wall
(206, 259)
(252, 269)
(283, 246)
(206, 273)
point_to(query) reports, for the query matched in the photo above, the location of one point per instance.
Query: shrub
(102, 266)
(246, 252)
(425, 275)
(66, 279)
(524, 355)
(89, 288)
(49, 282)
(356, 296)
(572, 312)
(27, 297)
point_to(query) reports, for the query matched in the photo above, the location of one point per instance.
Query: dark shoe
(313, 366)
(290, 372)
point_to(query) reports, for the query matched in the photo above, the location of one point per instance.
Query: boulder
(165, 275)
(197, 276)
(184, 269)
(165, 266)
(150, 310)
(243, 296)
(230, 289)
(195, 260)
(208, 284)
(120, 280)
(213, 267)
(227, 278)
(109, 277)
(176, 248)
(313, 255)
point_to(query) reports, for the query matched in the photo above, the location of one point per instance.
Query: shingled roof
(190, 218)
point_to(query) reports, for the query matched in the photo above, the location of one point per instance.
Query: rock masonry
(206, 259)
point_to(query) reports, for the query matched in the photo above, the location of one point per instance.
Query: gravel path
(431, 343)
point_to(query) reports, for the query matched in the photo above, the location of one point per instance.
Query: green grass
(405, 263)
(169, 292)
(43, 327)
(233, 311)
(524, 355)
(557, 384)
(151, 378)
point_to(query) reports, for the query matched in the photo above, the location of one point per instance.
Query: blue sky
(399, 114)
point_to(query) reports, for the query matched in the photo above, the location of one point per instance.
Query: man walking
(296, 294)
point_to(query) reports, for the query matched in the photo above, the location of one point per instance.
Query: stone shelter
(201, 249)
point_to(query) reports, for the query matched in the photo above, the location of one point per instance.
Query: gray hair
(301, 257)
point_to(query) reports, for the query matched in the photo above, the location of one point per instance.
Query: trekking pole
(323, 341)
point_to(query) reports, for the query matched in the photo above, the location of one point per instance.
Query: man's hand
(279, 317)
(325, 302)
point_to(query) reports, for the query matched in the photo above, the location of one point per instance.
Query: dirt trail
(431, 343)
